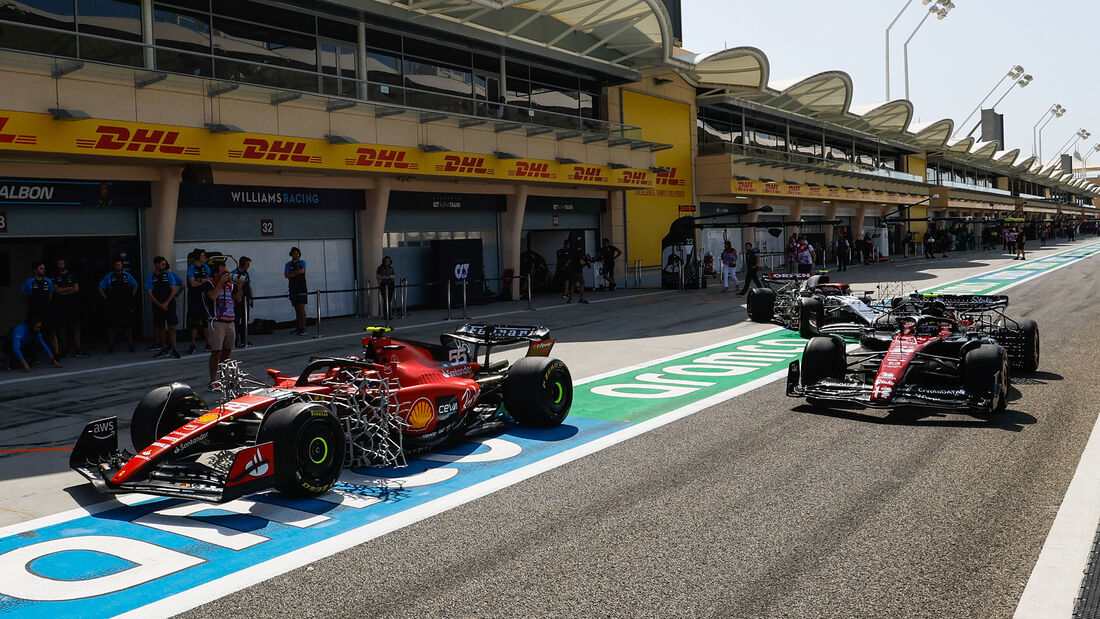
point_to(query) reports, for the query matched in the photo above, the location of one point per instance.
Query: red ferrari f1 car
(398, 398)
(946, 352)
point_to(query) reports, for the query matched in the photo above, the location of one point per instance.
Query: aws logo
(14, 138)
(584, 174)
(464, 165)
(635, 177)
(381, 158)
(275, 150)
(669, 178)
(141, 140)
(526, 169)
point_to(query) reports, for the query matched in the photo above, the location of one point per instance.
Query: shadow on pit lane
(1011, 420)
(1035, 378)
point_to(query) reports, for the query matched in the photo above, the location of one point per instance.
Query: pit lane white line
(47, 373)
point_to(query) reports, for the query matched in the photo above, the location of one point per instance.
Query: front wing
(214, 476)
(852, 392)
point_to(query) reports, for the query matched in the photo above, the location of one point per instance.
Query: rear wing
(539, 342)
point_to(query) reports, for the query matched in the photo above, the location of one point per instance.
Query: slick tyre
(868, 339)
(811, 317)
(162, 410)
(1029, 355)
(823, 357)
(985, 373)
(538, 392)
(309, 444)
(761, 304)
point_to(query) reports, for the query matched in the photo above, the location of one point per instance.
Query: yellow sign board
(40, 133)
(785, 190)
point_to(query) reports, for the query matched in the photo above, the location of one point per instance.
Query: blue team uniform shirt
(22, 333)
(173, 280)
(113, 283)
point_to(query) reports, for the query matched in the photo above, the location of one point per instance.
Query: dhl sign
(22, 131)
(788, 190)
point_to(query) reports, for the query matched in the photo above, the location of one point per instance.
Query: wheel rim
(555, 392)
(315, 453)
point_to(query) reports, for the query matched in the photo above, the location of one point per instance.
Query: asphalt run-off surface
(147, 556)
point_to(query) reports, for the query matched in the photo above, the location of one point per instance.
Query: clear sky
(953, 63)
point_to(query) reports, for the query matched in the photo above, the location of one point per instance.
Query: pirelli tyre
(1029, 353)
(985, 374)
(823, 357)
(811, 317)
(162, 410)
(309, 444)
(761, 304)
(538, 392)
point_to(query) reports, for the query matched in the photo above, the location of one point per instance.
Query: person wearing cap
(162, 286)
(220, 295)
(295, 273)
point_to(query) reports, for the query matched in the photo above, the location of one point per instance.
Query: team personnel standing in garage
(66, 311)
(162, 286)
(119, 289)
(244, 307)
(197, 274)
(295, 273)
(38, 291)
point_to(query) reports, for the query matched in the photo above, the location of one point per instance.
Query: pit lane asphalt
(758, 507)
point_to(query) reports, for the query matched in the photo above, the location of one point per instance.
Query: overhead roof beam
(614, 34)
(537, 14)
(582, 23)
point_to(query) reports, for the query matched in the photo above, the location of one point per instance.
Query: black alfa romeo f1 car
(811, 305)
(399, 397)
(951, 353)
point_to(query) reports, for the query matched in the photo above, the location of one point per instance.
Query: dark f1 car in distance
(400, 397)
(935, 358)
(811, 305)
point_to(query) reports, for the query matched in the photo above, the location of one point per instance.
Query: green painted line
(642, 393)
(990, 283)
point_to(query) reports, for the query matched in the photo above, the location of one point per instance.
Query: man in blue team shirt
(162, 286)
(119, 288)
(22, 342)
(38, 291)
(295, 273)
(197, 274)
(242, 309)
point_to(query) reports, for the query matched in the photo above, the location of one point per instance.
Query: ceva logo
(275, 150)
(140, 140)
(464, 165)
(526, 169)
(381, 158)
(585, 174)
(635, 177)
(669, 178)
(14, 138)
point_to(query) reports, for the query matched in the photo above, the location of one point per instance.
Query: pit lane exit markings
(122, 559)
(1002, 279)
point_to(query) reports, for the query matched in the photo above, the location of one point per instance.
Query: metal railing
(780, 154)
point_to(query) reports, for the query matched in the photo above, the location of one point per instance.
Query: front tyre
(1029, 355)
(760, 304)
(309, 446)
(162, 410)
(538, 392)
(811, 317)
(823, 357)
(985, 374)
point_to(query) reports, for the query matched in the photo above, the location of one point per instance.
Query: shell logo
(208, 417)
(421, 414)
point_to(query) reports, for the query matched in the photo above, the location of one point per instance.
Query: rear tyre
(162, 410)
(981, 367)
(1029, 356)
(309, 447)
(823, 357)
(538, 392)
(811, 317)
(761, 304)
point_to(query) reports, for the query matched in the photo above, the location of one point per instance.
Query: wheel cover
(314, 452)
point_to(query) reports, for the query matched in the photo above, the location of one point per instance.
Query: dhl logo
(669, 178)
(526, 169)
(275, 150)
(794, 189)
(815, 191)
(587, 175)
(140, 140)
(381, 158)
(635, 177)
(746, 186)
(834, 193)
(771, 188)
(464, 165)
(14, 138)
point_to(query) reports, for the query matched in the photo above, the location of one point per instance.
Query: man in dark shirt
(575, 275)
(66, 311)
(242, 309)
(752, 268)
(197, 274)
(162, 287)
(119, 288)
(38, 291)
(295, 273)
(608, 254)
(563, 256)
